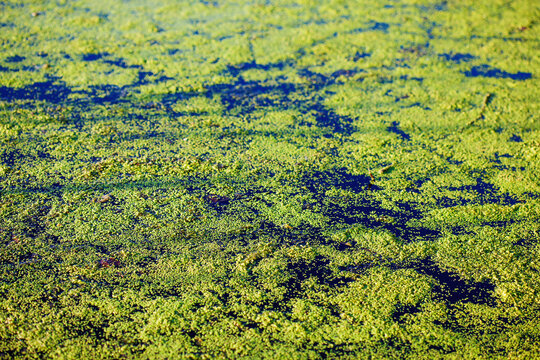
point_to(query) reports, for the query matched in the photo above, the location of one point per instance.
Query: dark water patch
(488, 192)
(461, 230)
(421, 181)
(497, 160)
(56, 92)
(372, 215)
(488, 71)
(515, 138)
(344, 180)
(121, 63)
(319, 81)
(101, 94)
(511, 168)
(409, 233)
(499, 224)
(250, 96)
(14, 59)
(241, 96)
(44, 155)
(144, 77)
(304, 269)
(453, 161)
(94, 56)
(484, 193)
(236, 69)
(394, 128)
(457, 57)
(345, 73)
(173, 51)
(219, 202)
(417, 50)
(453, 289)
(360, 55)
(447, 202)
(302, 234)
(56, 189)
(529, 241)
(449, 287)
(403, 309)
(318, 268)
(405, 213)
(436, 6)
(362, 209)
(168, 100)
(11, 157)
(52, 91)
(396, 98)
(442, 6)
(416, 104)
(428, 27)
(499, 156)
(406, 77)
(379, 26)
(329, 119)
(319, 181)
(315, 79)
(244, 97)
(374, 26)
(283, 234)
(42, 54)
(22, 68)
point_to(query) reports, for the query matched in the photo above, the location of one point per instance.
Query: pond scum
(269, 179)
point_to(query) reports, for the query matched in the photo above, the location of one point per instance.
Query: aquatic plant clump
(269, 179)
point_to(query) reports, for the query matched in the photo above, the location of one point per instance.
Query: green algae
(339, 179)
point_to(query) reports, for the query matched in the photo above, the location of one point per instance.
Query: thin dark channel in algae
(491, 72)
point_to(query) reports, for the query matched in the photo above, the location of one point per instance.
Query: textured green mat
(269, 179)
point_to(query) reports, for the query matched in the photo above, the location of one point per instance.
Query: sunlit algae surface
(269, 179)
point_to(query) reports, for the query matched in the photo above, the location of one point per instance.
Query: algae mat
(269, 179)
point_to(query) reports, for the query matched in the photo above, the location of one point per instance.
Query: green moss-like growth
(307, 179)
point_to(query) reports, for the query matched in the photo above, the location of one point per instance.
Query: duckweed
(269, 179)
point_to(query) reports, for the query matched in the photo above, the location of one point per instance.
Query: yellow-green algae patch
(269, 179)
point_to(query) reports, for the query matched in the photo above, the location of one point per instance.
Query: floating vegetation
(319, 179)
